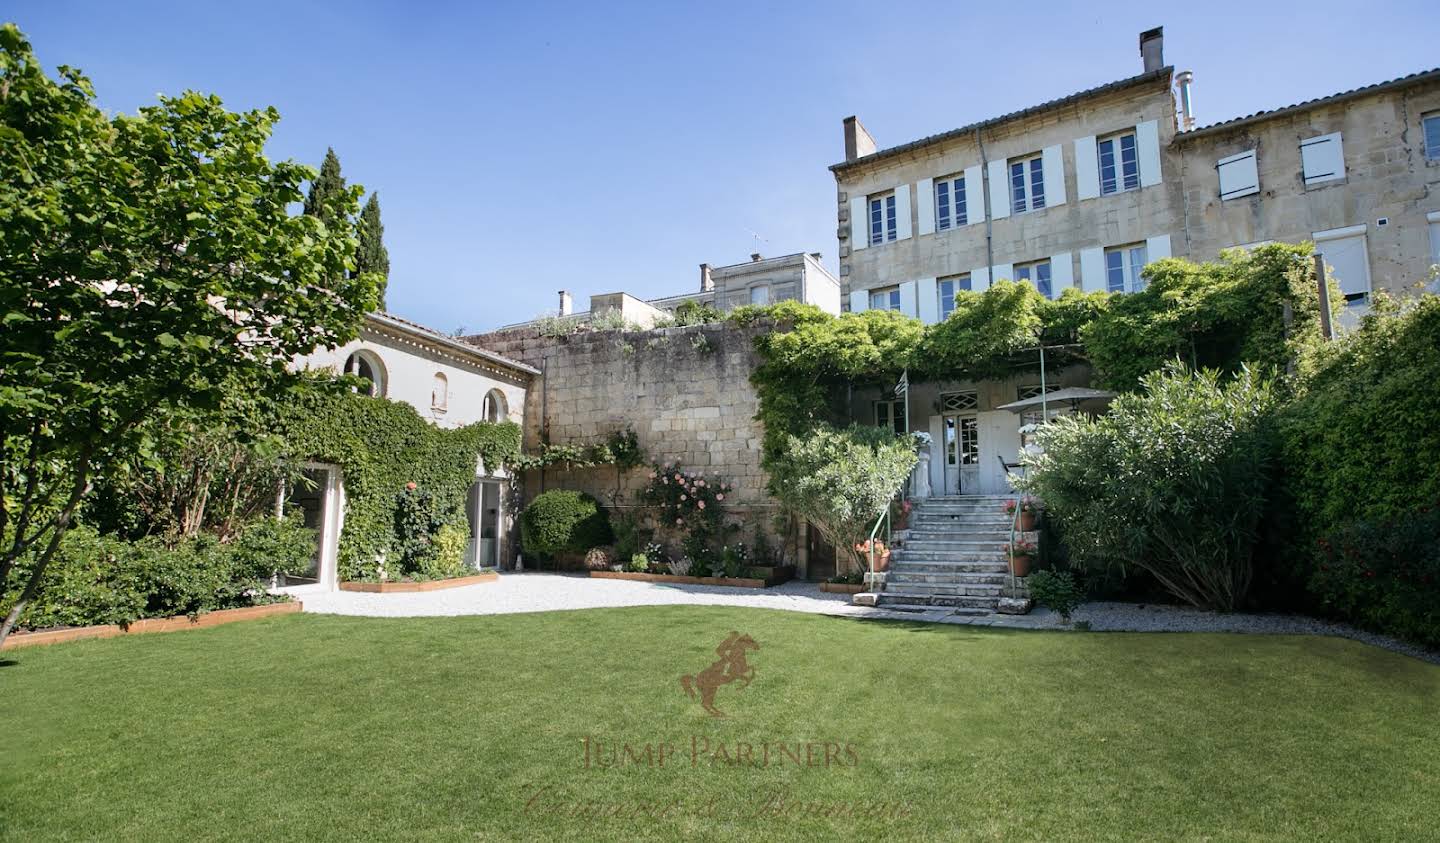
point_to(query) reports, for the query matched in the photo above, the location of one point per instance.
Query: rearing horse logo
(728, 668)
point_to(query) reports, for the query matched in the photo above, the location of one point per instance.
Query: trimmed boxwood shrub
(561, 522)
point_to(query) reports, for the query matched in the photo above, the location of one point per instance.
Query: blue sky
(522, 148)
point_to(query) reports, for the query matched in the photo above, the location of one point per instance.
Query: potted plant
(1029, 509)
(881, 554)
(900, 514)
(1020, 552)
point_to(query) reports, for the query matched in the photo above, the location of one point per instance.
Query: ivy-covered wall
(381, 446)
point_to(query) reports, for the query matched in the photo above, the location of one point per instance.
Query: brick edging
(428, 585)
(179, 622)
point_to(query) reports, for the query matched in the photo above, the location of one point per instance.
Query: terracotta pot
(1020, 564)
(882, 562)
(1027, 521)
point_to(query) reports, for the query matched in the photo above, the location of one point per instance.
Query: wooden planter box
(216, 618)
(428, 585)
(842, 587)
(745, 582)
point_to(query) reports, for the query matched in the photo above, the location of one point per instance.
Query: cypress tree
(371, 255)
(326, 185)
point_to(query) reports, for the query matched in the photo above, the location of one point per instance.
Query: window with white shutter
(952, 209)
(1122, 268)
(948, 287)
(887, 298)
(1027, 184)
(1322, 159)
(882, 219)
(1238, 175)
(1347, 260)
(1038, 274)
(1119, 163)
(1431, 124)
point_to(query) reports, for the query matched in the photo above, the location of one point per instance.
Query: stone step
(937, 590)
(888, 598)
(957, 536)
(952, 546)
(904, 579)
(949, 566)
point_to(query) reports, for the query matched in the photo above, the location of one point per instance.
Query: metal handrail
(903, 493)
(1014, 528)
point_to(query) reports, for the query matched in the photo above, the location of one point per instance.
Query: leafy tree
(325, 187)
(148, 266)
(372, 256)
(841, 479)
(1172, 481)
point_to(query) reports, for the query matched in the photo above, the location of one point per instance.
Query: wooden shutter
(927, 296)
(907, 299)
(859, 222)
(1346, 256)
(1157, 248)
(1238, 175)
(859, 300)
(1053, 162)
(902, 212)
(1062, 273)
(1087, 168)
(974, 195)
(999, 190)
(1002, 272)
(1147, 148)
(1092, 270)
(1322, 159)
(980, 279)
(925, 206)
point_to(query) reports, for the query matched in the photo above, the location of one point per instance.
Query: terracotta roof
(449, 343)
(1163, 73)
(1236, 122)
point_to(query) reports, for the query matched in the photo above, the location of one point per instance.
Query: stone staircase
(953, 555)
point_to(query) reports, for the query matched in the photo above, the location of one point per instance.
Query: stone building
(1086, 190)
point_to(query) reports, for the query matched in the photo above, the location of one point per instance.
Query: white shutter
(1323, 159)
(1092, 270)
(980, 279)
(925, 206)
(902, 212)
(927, 295)
(1147, 143)
(1345, 253)
(1052, 164)
(1157, 248)
(907, 299)
(1238, 175)
(859, 222)
(859, 300)
(974, 195)
(999, 190)
(1062, 273)
(1002, 272)
(1087, 168)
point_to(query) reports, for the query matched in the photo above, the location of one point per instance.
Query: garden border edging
(218, 617)
(411, 587)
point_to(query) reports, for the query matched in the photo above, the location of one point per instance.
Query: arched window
(495, 409)
(440, 393)
(366, 365)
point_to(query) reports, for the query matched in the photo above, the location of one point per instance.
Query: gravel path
(548, 592)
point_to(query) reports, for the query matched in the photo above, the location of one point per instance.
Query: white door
(961, 452)
(482, 507)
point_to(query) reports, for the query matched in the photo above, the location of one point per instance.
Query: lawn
(311, 727)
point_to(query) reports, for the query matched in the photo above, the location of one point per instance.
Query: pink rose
(679, 521)
(678, 478)
(701, 504)
(682, 497)
(411, 486)
(719, 497)
(700, 483)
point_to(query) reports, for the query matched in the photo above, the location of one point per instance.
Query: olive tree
(149, 266)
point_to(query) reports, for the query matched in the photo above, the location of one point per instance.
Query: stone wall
(684, 391)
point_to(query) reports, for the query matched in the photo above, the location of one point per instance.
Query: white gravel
(549, 592)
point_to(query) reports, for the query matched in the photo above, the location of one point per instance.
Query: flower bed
(216, 618)
(425, 585)
(780, 574)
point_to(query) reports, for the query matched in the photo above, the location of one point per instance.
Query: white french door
(961, 452)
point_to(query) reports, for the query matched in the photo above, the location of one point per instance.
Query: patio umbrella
(1078, 397)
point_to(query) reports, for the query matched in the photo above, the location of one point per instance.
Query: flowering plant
(685, 500)
(864, 548)
(1028, 503)
(1021, 547)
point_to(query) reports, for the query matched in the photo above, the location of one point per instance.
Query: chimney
(565, 303)
(1187, 107)
(754, 257)
(1152, 48)
(858, 142)
(707, 284)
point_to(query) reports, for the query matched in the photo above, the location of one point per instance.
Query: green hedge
(381, 446)
(1383, 575)
(561, 522)
(97, 579)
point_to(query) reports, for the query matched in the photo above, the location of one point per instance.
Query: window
(1038, 274)
(1027, 185)
(495, 408)
(1033, 390)
(1238, 176)
(882, 220)
(736, 299)
(950, 206)
(1122, 268)
(948, 288)
(1119, 164)
(1347, 261)
(1431, 122)
(760, 294)
(962, 446)
(891, 414)
(440, 393)
(885, 299)
(783, 292)
(955, 402)
(366, 365)
(1322, 159)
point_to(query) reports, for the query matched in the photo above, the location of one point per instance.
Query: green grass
(308, 727)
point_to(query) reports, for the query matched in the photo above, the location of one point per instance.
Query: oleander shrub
(562, 523)
(1383, 575)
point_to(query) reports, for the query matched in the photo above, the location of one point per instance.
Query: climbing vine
(620, 449)
(383, 446)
